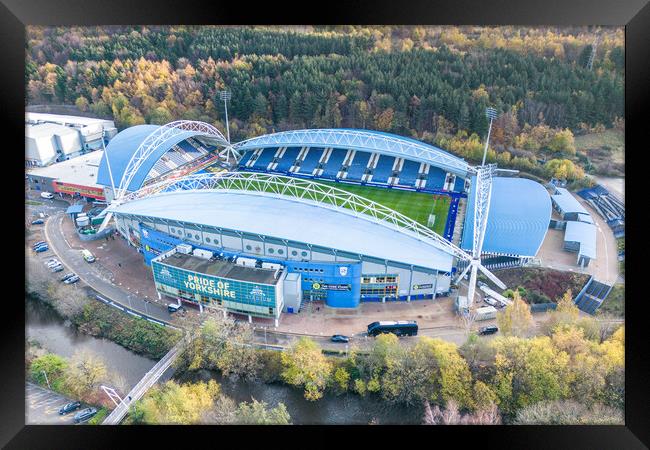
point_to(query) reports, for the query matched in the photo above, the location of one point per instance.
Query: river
(43, 324)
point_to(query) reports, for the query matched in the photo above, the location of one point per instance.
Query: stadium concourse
(364, 216)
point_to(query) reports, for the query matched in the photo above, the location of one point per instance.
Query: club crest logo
(343, 270)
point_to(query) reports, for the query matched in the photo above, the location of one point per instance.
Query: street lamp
(225, 96)
(491, 114)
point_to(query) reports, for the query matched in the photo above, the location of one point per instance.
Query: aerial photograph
(324, 225)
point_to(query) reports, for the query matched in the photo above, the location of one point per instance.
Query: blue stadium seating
(287, 160)
(334, 163)
(409, 174)
(358, 166)
(459, 185)
(265, 158)
(311, 160)
(246, 158)
(436, 178)
(384, 169)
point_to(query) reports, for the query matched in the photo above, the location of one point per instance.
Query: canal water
(45, 325)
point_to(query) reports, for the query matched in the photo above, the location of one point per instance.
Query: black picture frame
(633, 14)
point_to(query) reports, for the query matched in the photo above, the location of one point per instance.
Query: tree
(568, 412)
(305, 365)
(84, 373)
(175, 404)
(515, 319)
(529, 371)
(452, 416)
(563, 142)
(258, 413)
(52, 365)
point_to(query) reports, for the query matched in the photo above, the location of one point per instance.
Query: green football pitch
(416, 205)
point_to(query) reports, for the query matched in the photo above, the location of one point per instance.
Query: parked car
(340, 338)
(491, 329)
(48, 195)
(490, 301)
(38, 222)
(173, 307)
(36, 244)
(68, 275)
(58, 268)
(87, 256)
(72, 279)
(69, 407)
(84, 415)
(41, 249)
(52, 262)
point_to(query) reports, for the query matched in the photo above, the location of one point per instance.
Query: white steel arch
(304, 191)
(160, 135)
(361, 140)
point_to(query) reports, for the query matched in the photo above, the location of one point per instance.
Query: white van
(48, 195)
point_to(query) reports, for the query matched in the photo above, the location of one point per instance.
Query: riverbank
(94, 318)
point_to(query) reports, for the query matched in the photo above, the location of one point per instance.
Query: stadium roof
(520, 211)
(585, 234)
(365, 140)
(122, 147)
(299, 222)
(566, 202)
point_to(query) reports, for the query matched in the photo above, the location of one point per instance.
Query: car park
(38, 222)
(84, 415)
(491, 329)
(68, 275)
(340, 338)
(72, 279)
(69, 407)
(58, 268)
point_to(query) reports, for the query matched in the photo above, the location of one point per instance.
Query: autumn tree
(515, 319)
(84, 373)
(175, 404)
(305, 365)
(259, 413)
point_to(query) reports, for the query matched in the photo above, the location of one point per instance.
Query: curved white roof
(283, 218)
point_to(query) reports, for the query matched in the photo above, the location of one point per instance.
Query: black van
(397, 327)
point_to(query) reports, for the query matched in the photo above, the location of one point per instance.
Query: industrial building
(329, 244)
(50, 137)
(76, 177)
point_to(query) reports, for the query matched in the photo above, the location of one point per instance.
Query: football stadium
(341, 216)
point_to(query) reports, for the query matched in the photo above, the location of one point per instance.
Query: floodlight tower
(491, 114)
(592, 56)
(225, 96)
(481, 208)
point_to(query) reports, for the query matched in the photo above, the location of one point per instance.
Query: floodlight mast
(225, 96)
(491, 114)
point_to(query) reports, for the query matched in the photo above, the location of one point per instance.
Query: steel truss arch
(159, 136)
(361, 140)
(304, 191)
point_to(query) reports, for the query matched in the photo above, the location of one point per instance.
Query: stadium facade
(324, 243)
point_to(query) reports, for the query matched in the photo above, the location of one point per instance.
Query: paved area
(42, 406)
(604, 268)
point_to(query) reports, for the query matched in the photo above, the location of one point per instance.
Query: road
(72, 259)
